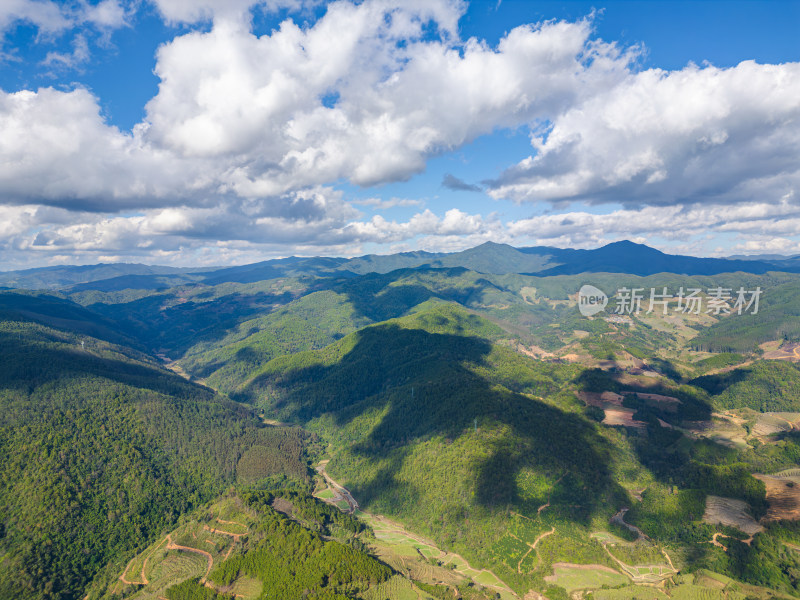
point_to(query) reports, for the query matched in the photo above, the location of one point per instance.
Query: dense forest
(101, 451)
(469, 402)
(293, 561)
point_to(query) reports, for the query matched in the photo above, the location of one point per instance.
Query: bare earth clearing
(776, 351)
(730, 512)
(783, 496)
(161, 568)
(622, 416)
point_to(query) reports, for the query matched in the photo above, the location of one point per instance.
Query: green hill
(101, 451)
(763, 386)
(423, 386)
(778, 318)
(433, 423)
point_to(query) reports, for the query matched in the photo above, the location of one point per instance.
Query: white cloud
(79, 55)
(57, 149)
(259, 101)
(193, 11)
(107, 14)
(381, 204)
(769, 245)
(247, 135)
(263, 225)
(695, 135)
(44, 14)
(53, 17)
(240, 115)
(672, 223)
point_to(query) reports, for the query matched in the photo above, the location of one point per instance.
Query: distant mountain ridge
(63, 276)
(638, 259)
(490, 258)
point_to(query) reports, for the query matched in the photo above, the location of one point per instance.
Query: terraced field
(190, 551)
(413, 555)
(397, 588)
(629, 592)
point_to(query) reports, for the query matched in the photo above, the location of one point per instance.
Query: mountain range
(490, 258)
(412, 426)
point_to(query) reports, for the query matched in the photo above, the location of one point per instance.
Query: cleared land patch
(778, 351)
(783, 496)
(629, 592)
(730, 512)
(190, 551)
(584, 577)
(622, 416)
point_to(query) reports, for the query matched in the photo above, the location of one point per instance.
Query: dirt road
(173, 546)
(532, 547)
(341, 491)
(619, 519)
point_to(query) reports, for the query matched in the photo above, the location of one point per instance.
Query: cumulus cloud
(107, 14)
(44, 14)
(79, 55)
(58, 150)
(248, 133)
(673, 223)
(242, 115)
(660, 138)
(172, 232)
(400, 99)
(193, 11)
(53, 17)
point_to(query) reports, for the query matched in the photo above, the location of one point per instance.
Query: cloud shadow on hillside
(424, 383)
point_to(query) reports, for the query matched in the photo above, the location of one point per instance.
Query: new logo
(591, 300)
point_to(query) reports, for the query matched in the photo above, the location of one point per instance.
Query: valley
(452, 432)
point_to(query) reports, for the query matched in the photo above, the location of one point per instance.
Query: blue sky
(229, 131)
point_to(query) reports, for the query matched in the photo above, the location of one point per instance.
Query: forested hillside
(101, 451)
(433, 423)
(478, 408)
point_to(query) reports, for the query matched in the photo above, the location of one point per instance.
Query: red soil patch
(600, 400)
(783, 497)
(622, 416)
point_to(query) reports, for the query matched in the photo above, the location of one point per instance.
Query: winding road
(532, 547)
(619, 519)
(342, 493)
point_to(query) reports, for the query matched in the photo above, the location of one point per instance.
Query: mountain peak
(629, 245)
